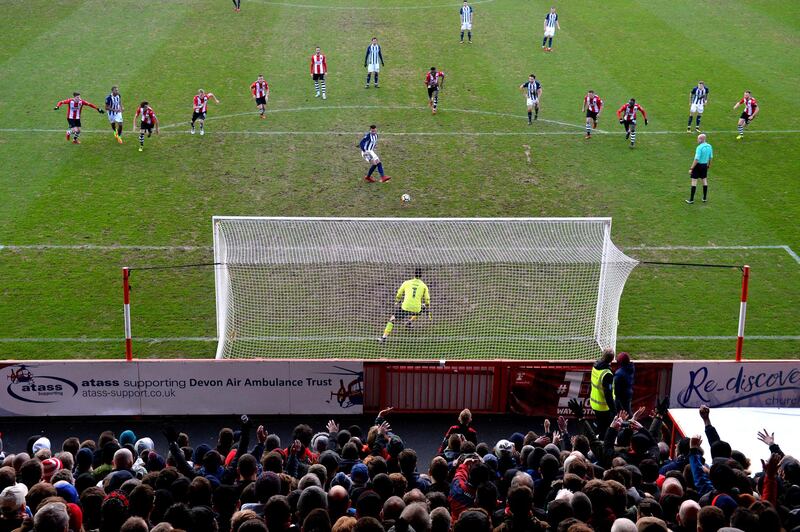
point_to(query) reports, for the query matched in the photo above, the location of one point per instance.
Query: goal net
(500, 288)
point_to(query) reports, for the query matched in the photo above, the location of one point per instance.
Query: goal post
(500, 288)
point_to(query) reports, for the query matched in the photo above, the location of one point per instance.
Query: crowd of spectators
(348, 479)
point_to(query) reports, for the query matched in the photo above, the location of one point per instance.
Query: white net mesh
(522, 288)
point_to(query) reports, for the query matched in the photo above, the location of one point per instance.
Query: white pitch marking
(86, 340)
(787, 249)
(361, 8)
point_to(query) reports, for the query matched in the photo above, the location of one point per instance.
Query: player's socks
(141, 138)
(316, 87)
(469, 36)
(380, 169)
(697, 122)
(462, 37)
(536, 113)
(75, 137)
(633, 137)
(371, 170)
(550, 44)
(741, 130)
(689, 123)
(69, 134)
(691, 193)
(376, 80)
(530, 115)
(435, 103)
(369, 76)
(588, 130)
(202, 129)
(544, 42)
(705, 192)
(322, 85)
(388, 330)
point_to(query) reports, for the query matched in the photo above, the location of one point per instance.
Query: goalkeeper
(415, 299)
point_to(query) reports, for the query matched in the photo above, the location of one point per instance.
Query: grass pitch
(477, 157)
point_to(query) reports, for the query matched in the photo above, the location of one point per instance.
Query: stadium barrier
(211, 387)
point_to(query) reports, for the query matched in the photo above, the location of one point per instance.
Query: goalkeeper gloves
(100, 111)
(55, 108)
(621, 121)
(645, 121)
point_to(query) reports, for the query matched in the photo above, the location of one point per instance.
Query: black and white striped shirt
(374, 56)
(114, 103)
(551, 19)
(369, 141)
(699, 94)
(466, 14)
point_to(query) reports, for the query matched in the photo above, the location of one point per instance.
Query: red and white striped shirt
(750, 105)
(593, 103)
(318, 64)
(628, 112)
(148, 115)
(74, 107)
(432, 80)
(201, 103)
(259, 88)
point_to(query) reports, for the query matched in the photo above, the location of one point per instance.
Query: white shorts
(115, 117)
(369, 156)
(466, 26)
(531, 102)
(549, 32)
(374, 68)
(696, 108)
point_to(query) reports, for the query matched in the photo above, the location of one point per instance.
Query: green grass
(52, 192)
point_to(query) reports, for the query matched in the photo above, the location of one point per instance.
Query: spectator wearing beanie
(623, 383)
(49, 467)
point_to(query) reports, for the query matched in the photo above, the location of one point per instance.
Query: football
(405, 198)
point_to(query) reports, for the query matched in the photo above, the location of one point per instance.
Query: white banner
(744, 384)
(175, 387)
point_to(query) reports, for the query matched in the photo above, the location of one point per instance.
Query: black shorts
(747, 118)
(591, 114)
(198, 116)
(405, 314)
(145, 126)
(700, 171)
(261, 100)
(432, 91)
(317, 77)
(74, 122)
(630, 123)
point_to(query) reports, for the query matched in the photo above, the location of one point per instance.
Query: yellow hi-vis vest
(597, 398)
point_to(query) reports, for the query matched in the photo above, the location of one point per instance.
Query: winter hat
(329, 459)
(490, 460)
(319, 442)
(199, 452)
(504, 446)
(340, 479)
(155, 462)
(117, 479)
(359, 474)
(14, 495)
(49, 467)
(75, 516)
(127, 436)
(395, 446)
(142, 444)
(725, 503)
(84, 481)
(623, 358)
(66, 491)
(83, 460)
(518, 440)
(553, 449)
(41, 443)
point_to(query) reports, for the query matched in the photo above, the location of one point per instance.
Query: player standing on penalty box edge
(199, 109)
(533, 92)
(114, 110)
(467, 13)
(148, 119)
(416, 299)
(434, 81)
(260, 90)
(627, 117)
(698, 98)
(373, 61)
(749, 112)
(319, 67)
(593, 105)
(74, 106)
(550, 25)
(368, 145)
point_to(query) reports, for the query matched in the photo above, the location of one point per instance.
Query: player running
(749, 113)
(237, 6)
(533, 92)
(550, 25)
(467, 13)
(148, 121)
(114, 110)
(698, 98)
(627, 117)
(373, 61)
(416, 299)
(200, 106)
(593, 105)
(434, 81)
(260, 90)
(74, 107)
(319, 67)
(367, 145)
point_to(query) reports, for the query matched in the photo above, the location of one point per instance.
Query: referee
(699, 169)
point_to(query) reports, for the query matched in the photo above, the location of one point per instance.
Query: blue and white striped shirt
(532, 89)
(699, 95)
(369, 141)
(114, 103)
(374, 56)
(466, 14)
(551, 19)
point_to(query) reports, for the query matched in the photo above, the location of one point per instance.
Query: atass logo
(24, 386)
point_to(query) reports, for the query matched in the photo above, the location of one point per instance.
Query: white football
(405, 198)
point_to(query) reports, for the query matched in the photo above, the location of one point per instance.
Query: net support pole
(126, 311)
(742, 312)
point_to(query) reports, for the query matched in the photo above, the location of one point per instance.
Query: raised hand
(663, 406)
(556, 437)
(576, 408)
(623, 415)
(547, 426)
(766, 437)
(562, 424)
(695, 441)
(542, 441)
(636, 426)
(638, 414)
(261, 434)
(705, 413)
(384, 428)
(332, 426)
(385, 411)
